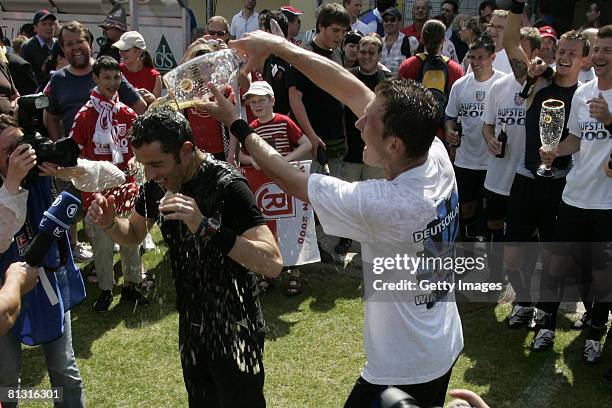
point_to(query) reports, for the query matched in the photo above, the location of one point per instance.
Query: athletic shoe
(583, 323)
(520, 316)
(148, 244)
(537, 319)
(592, 352)
(82, 252)
(543, 340)
(131, 294)
(104, 301)
(343, 246)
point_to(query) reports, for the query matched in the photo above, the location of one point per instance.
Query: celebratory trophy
(552, 123)
(187, 83)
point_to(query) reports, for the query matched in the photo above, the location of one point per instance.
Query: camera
(395, 398)
(64, 152)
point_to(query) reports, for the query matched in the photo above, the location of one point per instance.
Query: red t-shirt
(411, 31)
(207, 131)
(410, 68)
(145, 78)
(281, 133)
(82, 132)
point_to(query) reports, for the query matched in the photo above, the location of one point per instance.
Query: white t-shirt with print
(587, 185)
(503, 104)
(407, 341)
(500, 63)
(467, 97)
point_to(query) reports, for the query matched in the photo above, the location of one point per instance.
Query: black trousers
(217, 382)
(429, 394)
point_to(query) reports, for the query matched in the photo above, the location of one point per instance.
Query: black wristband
(517, 7)
(224, 240)
(240, 129)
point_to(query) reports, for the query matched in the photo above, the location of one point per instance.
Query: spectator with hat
(113, 27)
(245, 21)
(294, 23)
(353, 8)
(548, 51)
(350, 48)
(38, 48)
(396, 45)
(137, 66)
(373, 18)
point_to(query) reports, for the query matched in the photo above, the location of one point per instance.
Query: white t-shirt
(503, 104)
(407, 341)
(586, 76)
(587, 185)
(362, 27)
(467, 96)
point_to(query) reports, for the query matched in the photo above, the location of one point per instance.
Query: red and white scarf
(106, 131)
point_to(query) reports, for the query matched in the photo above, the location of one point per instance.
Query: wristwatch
(208, 226)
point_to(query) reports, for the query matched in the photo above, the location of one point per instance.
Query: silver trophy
(187, 83)
(552, 123)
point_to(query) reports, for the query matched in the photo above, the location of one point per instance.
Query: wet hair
(74, 27)
(280, 18)
(433, 36)
(372, 40)
(105, 63)
(411, 114)
(485, 42)
(578, 36)
(164, 125)
(332, 13)
(532, 35)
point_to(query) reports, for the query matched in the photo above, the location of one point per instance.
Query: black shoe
(104, 301)
(131, 294)
(343, 246)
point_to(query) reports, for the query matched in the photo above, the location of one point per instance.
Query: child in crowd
(280, 132)
(101, 129)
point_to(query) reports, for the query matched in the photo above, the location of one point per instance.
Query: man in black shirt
(276, 69)
(534, 201)
(216, 236)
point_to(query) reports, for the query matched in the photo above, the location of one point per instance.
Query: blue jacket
(41, 322)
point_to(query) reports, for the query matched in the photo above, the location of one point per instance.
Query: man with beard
(113, 27)
(218, 240)
(548, 51)
(245, 21)
(534, 200)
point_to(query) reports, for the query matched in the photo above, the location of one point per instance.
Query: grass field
(314, 351)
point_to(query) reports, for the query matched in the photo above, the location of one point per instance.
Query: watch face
(214, 224)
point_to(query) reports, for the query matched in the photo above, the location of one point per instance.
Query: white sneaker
(148, 244)
(82, 252)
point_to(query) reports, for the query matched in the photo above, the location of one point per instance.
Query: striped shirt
(281, 133)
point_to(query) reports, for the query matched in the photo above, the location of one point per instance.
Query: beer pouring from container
(552, 123)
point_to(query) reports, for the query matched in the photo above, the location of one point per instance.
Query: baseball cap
(393, 12)
(43, 15)
(261, 88)
(130, 39)
(548, 31)
(292, 10)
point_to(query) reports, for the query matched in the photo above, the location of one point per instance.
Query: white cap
(130, 39)
(261, 88)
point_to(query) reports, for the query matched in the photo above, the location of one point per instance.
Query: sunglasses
(217, 33)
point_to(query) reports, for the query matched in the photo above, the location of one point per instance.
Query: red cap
(548, 31)
(291, 10)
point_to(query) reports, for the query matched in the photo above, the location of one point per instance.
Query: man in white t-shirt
(585, 213)
(495, 29)
(467, 101)
(412, 337)
(245, 21)
(504, 105)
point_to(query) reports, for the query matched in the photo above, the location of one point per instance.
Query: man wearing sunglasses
(218, 28)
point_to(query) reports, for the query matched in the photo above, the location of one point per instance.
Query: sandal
(294, 286)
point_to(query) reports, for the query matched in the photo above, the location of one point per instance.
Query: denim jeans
(61, 365)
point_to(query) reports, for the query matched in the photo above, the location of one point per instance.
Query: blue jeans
(61, 364)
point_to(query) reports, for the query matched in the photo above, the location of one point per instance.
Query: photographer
(42, 322)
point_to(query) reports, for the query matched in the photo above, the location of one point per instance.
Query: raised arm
(512, 40)
(325, 73)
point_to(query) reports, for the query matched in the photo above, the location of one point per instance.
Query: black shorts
(533, 205)
(470, 184)
(497, 205)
